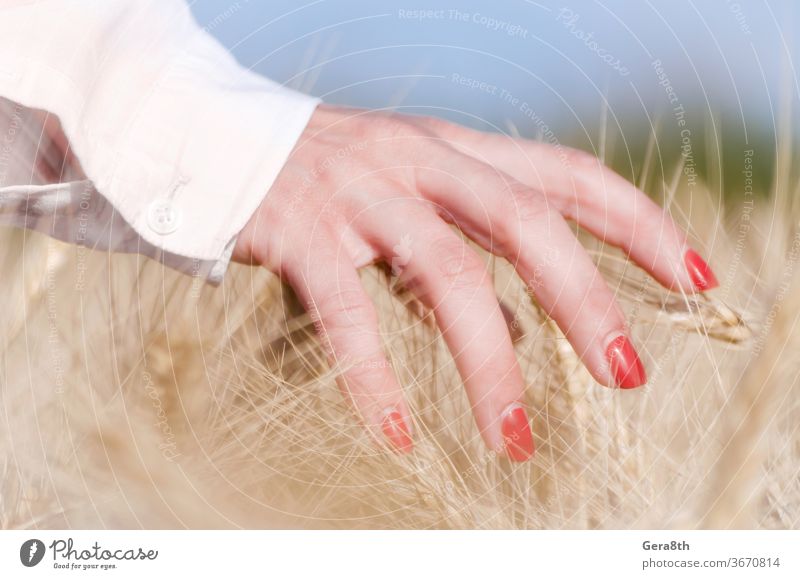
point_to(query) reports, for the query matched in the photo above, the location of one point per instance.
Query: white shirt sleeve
(177, 143)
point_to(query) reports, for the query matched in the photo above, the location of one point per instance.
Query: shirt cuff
(182, 140)
(209, 154)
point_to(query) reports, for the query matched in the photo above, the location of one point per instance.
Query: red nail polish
(702, 276)
(626, 367)
(396, 430)
(517, 434)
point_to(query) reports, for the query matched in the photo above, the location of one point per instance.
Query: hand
(360, 184)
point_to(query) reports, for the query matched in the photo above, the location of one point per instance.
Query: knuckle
(392, 127)
(363, 377)
(346, 309)
(440, 127)
(436, 124)
(457, 265)
(528, 208)
(581, 159)
(529, 205)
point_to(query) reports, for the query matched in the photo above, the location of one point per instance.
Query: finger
(453, 282)
(595, 197)
(517, 222)
(329, 287)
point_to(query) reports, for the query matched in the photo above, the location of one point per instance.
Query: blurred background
(712, 79)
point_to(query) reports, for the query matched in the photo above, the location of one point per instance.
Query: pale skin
(360, 183)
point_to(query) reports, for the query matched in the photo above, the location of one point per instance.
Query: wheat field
(136, 397)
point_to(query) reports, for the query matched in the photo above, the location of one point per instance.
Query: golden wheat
(134, 397)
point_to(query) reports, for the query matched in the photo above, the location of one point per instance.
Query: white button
(163, 217)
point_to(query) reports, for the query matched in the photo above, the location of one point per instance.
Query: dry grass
(140, 400)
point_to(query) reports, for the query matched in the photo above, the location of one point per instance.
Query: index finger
(598, 199)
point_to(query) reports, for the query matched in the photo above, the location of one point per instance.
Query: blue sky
(535, 64)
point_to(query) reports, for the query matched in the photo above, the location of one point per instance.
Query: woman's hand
(362, 186)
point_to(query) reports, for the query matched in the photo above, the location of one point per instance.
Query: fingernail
(517, 434)
(396, 431)
(702, 276)
(626, 367)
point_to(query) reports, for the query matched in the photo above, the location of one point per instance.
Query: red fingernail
(626, 367)
(396, 430)
(702, 276)
(517, 434)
